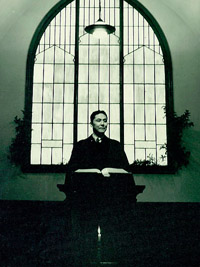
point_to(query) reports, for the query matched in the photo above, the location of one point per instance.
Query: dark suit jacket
(89, 154)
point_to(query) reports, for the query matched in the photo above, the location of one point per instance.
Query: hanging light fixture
(100, 29)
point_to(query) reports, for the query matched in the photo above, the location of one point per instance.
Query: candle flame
(99, 230)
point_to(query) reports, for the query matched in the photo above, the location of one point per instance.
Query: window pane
(36, 113)
(68, 113)
(114, 132)
(58, 93)
(128, 113)
(46, 131)
(35, 154)
(128, 134)
(57, 131)
(139, 113)
(36, 133)
(56, 155)
(114, 113)
(150, 113)
(129, 150)
(48, 93)
(128, 93)
(46, 156)
(67, 150)
(68, 133)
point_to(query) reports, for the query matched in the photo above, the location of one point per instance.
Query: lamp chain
(99, 9)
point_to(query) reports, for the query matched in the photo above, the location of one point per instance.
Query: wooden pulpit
(95, 187)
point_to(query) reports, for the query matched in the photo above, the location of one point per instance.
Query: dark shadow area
(140, 234)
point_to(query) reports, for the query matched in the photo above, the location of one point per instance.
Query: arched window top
(70, 74)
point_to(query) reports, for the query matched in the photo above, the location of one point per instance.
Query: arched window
(71, 73)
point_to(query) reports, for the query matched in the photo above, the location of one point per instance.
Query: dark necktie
(98, 140)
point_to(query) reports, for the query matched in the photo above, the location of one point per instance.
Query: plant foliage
(20, 144)
(175, 149)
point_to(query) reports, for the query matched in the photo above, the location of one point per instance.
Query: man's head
(99, 122)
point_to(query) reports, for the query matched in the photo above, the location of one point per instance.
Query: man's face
(99, 124)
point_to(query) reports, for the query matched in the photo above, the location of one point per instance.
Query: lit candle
(99, 233)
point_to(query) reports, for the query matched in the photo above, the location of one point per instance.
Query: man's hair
(96, 113)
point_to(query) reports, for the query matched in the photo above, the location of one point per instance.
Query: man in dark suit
(98, 151)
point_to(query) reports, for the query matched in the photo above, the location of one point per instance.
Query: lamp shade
(100, 28)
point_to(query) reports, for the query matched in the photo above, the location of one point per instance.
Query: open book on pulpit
(109, 170)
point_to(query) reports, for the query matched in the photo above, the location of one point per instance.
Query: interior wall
(179, 20)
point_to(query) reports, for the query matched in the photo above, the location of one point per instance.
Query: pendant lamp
(100, 29)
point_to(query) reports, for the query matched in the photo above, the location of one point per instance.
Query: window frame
(27, 167)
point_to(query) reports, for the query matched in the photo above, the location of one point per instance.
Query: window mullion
(121, 74)
(76, 64)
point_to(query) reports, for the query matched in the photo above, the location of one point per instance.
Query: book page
(115, 170)
(88, 170)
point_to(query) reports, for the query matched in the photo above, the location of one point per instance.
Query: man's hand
(105, 172)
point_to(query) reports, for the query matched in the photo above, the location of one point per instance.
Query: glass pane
(83, 93)
(36, 133)
(93, 93)
(68, 133)
(114, 113)
(149, 56)
(162, 157)
(48, 93)
(67, 150)
(139, 132)
(161, 134)
(38, 73)
(83, 73)
(82, 113)
(58, 93)
(149, 94)
(47, 112)
(140, 154)
(128, 93)
(48, 73)
(57, 113)
(57, 131)
(114, 73)
(51, 143)
(128, 74)
(160, 74)
(59, 73)
(114, 93)
(69, 73)
(68, 113)
(104, 93)
(149, 73)
(115, 132)
(160, 93)
(139, 74)
(139, 113)
(35, 154)
(46, 156)
(37, 93)
(150, 113)
(104, 74)
(160, 114)
(151, 155)
(46, 131)
(56, 155)
(69, 93)
(82, 131)
(36, 113)
(128, 134)
(114, 55)
(129, 150)
(139, 93)
(128, 113)
(150, 132)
